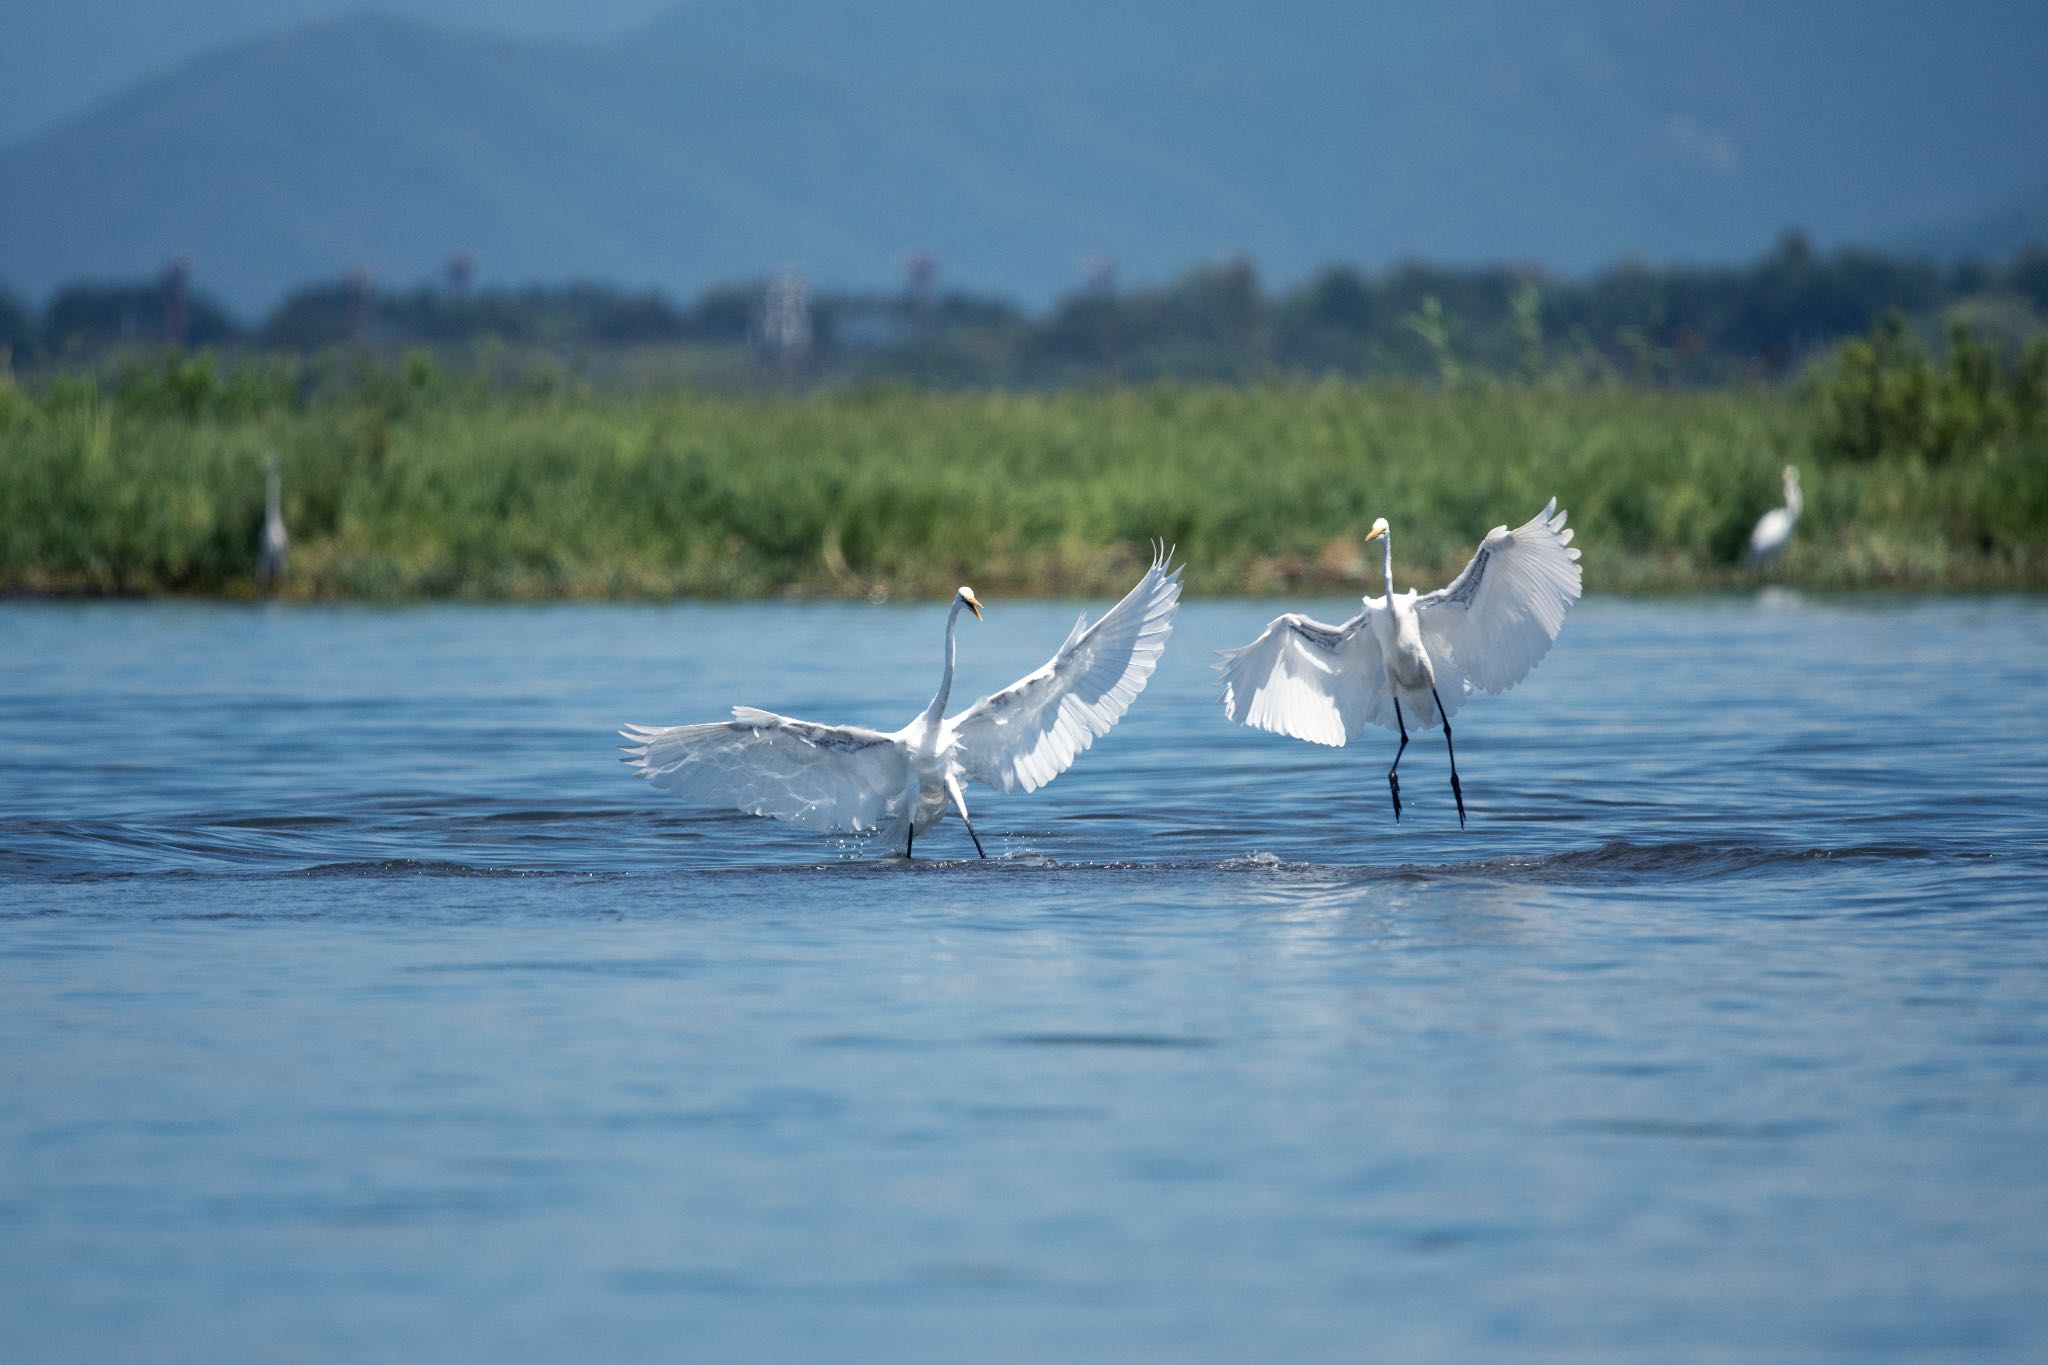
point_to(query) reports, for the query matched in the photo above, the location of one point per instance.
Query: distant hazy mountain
(59, 60)
(1014, 141)
(2015, 224)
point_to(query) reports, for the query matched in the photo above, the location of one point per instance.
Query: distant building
(178, 302)
(783, 330)
(362, 283)
(921, 288)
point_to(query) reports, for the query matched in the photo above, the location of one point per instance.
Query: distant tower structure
(461, 273)
(784, 329)
(178, 302)
(921, 276)
(362, 281)
(1100, 272)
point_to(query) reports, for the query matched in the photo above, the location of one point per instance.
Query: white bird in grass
(1774, 528)
(845, 778)
(270, 550)
(1485, 631)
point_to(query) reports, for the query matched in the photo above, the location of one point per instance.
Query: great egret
(847, 778)
(1774, 528)
(270, 550)
(1485, 631)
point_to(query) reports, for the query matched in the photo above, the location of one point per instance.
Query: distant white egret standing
(1485, 631)
(270, 550)
(1774, 528)
(848, 779)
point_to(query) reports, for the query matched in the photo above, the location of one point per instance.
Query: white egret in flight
(844, 778)
(270, 550)
(1485, 631)
(1774, 528)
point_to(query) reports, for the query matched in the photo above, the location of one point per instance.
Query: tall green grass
(408, 484)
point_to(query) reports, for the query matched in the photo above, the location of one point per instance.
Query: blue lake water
(355, 1004)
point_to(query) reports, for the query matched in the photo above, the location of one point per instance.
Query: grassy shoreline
(412, 486)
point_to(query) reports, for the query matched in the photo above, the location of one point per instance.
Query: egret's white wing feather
(835, 777)
(1773, 530)
(1500, 616)
(1030, 732)
(1306, 679)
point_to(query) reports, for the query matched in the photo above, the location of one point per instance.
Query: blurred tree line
(1682, 325)
(1885, 394)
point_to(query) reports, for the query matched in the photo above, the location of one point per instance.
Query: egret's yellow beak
(974, 605)
(1374, 534)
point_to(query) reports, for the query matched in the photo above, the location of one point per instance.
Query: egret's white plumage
(1774, 528)
(849, 779)
(270, 550)
(1484, 632)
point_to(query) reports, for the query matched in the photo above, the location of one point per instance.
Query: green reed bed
(406, 484)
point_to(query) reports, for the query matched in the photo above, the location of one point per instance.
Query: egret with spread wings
(844, 778)
(1484, 632)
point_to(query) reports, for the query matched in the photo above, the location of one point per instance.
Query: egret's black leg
(909, 839)
(960, 804)
(1394, 773)
(1457, 792)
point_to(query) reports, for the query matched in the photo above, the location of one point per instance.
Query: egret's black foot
(977, 841)
(1394, 787)
(1458, 795)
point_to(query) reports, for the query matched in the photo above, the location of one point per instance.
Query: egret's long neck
(1387, 562)
(1793, 502)
(272, 502)
(938, 707)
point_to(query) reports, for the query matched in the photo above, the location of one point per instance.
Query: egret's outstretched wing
(1499, 617)
(1031, 731)
(836, 777)
(1305, 679)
